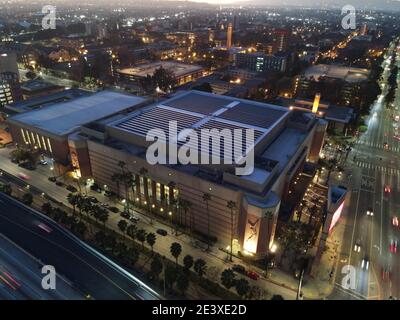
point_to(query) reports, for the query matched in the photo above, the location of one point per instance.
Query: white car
(365, 264)
(357, 247)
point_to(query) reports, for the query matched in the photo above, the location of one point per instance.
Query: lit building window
(23, 136)
(49, 145)
(44, 143)
(38, 140)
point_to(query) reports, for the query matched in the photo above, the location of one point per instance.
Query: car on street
(385, 274)
(43, 162)
(60, 184)
(95, 188)
(162, 232)
(125, 215)
(370, 212)
(357, 246)
(133, 218)
(239, 268)
(252, 275)
(93, 199)
(365, 263)
(27, 165)
(71, 188)
(395, 222)
(23, 176)
(113, 209)
(393, 246)
(45, 227)
(387, 189)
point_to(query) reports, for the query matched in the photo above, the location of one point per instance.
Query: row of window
(158, 190)
(36, 140)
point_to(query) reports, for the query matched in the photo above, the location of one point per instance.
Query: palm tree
(200, 267)
(144, 172)
(206, 199)
(151, 240)
(185, 205)
(231, 205)
(131, 232)
(182, 283)
(156, 266)
(122, 225)
(141, 236)
(175, 250)
(188, 262)
(73, 199)
(242, 287)
(103, 215)
(116, 177)
(228, 278)
(126, 180)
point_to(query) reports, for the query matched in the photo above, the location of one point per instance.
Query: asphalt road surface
(374, 186)
(21, 277)
(85, 268)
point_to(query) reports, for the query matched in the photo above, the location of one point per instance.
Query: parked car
(43, 162)
(27, 165)
(93, 199)
(71, 188)
(125, 215)
(95, 188)
(162, 232)
(133, 218)
(114, 209)
(252, 275)
(60, 184)
(239, 268)
(109, 193)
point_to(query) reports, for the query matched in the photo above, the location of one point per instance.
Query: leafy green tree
(132, 256)
(121, 249)
(72, 199)
(228, 278)
(6, 188)
(176, 250)
(156, 266)
(47, 208)
(102, 215)
(200, 266)
(100, 238)
(182, 283)
(171, 274)
(27, 198)
(242, 287)
(122, 225)
(188, 262)
(164, 79)
(151, 240)
(141, 236)
(131, 231)
(79, 228)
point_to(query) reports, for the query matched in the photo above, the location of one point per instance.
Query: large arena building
(113, 138)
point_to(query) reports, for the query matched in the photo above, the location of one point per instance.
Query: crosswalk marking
(377, 145)
(367, 165)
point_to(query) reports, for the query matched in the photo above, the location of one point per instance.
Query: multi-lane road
(86, 269)
(21, 277)
(374, 187)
